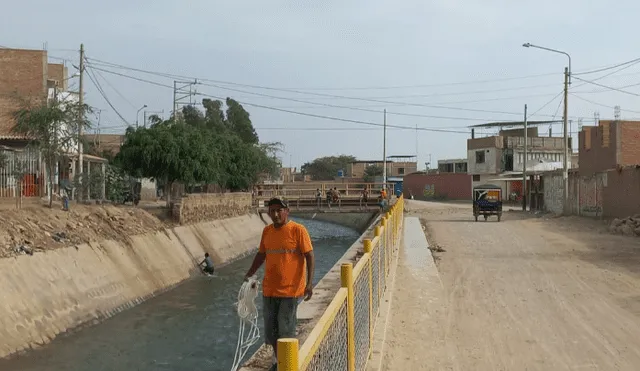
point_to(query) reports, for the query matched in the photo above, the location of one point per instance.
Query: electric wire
(101, 91)
(608, 87)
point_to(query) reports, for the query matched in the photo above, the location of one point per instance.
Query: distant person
(382, 199)
(286, 250)
(335, 194)
(318, 197)
(208, 268)
(329, 195)
(364, 197)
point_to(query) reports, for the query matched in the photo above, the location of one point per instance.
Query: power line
(601, 104)
(96, 83)
(633, 61)
(301, 101)
(549, 102)
(287, 111)
(329, 95)
(358, 109)
(307, 93)
(608, 87)
(466, 92)
(173, 76)
(115, 90)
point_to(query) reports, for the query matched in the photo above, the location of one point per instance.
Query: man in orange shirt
(286, 250)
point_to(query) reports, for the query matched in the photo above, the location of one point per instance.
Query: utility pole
(175, 101)
(416, 147)
(524, 163)
(182, 90)
(384, 151)
(81, 122)
(565, 167)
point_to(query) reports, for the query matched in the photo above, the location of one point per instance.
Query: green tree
(200, 148)
(214, 115)
(239, 122)
(170, 153)
(54, 129)
(326, 168)
(372, 171)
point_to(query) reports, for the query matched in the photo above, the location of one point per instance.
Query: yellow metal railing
(343, 337)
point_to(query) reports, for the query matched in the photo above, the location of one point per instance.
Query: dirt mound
(627, 227)
(39, 228)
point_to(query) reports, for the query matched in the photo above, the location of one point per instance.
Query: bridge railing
(342, 339)
(302, 189)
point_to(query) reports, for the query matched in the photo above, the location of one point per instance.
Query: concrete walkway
(417, 303)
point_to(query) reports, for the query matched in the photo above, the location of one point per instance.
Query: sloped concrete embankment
(49, 293)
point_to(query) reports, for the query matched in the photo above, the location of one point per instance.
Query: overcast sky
(466, 57)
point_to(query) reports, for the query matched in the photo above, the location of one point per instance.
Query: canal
(192, 327)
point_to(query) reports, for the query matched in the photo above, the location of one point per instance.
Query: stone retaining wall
(195, 207)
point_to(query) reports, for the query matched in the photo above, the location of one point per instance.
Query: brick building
(609, 145)
(28, 79)
(607, 181)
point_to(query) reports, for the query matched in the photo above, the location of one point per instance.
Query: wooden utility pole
(384, 151)
(81, 122)
(524, 163)
(565, 165)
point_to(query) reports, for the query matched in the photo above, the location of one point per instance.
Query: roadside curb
(380, 332)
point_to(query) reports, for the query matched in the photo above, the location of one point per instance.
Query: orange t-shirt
(285, 267)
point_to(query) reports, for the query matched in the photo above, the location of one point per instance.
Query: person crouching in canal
(286, 250)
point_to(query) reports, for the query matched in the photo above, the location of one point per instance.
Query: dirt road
(524, 294)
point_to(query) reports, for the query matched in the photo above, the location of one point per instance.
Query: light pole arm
(554, 51)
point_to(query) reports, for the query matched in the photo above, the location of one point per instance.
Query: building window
(476, 178)
(400, 171)
(479, 157)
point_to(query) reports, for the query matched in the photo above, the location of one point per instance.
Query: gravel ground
(528, 293)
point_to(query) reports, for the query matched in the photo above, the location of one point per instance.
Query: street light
(567, 81)
(138, 114)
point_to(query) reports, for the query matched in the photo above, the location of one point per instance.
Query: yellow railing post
(390, 237)
(346, 277)
(376, 233)
(385, 233)
(287, 354)
(392, 228)
(368, 249)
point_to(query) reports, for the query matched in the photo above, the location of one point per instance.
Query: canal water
(192, 327)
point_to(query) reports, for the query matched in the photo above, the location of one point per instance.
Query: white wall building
(491, 157)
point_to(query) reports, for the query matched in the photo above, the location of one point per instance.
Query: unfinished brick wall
(630, 143)
(199, 207)
(621, 193)
(58, 72)
(609, 194)
(611, 144)
(427, 186)
(23, 78)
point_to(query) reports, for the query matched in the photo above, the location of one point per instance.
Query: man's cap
(278, 202)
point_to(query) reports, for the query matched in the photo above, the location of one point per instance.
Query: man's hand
(308, 292)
